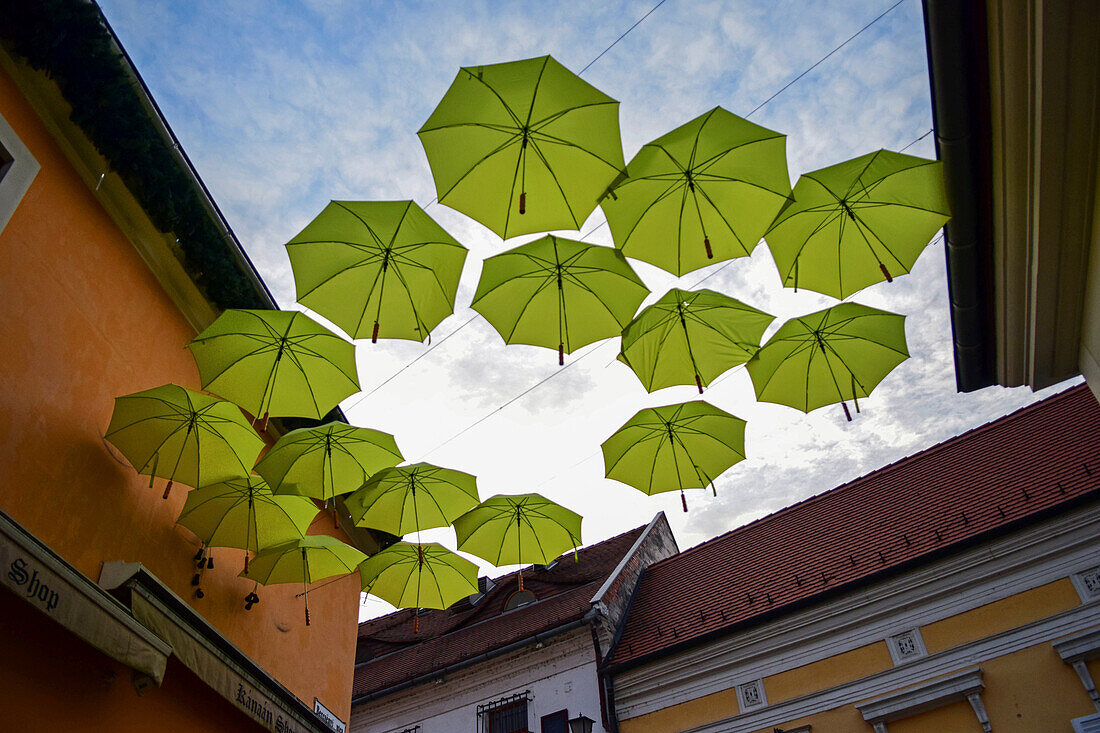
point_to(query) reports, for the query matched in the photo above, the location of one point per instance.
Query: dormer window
(519, 599)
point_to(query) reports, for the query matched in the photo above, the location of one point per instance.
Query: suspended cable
(824, 58)
(916, 141)
(636, 24)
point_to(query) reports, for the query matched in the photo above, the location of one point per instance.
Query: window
(555, 722)
(519, 598)
(17, 169)
(506, 715)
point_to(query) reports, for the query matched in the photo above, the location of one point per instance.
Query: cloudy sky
(283, 106)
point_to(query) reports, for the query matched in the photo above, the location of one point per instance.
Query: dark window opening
(6, 161)
(519, 598)
(506, 715)
(555, 722)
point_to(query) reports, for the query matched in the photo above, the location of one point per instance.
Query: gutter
(958, 70)
(588, 618)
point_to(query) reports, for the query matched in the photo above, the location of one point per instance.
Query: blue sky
(283, 106)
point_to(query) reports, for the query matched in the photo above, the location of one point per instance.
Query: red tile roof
(963, 489)
(394, 654)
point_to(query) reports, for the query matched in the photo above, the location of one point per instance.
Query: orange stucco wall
(50, 680)
(828, 672)
(85, 321)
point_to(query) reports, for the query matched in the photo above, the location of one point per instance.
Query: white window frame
(17, 179)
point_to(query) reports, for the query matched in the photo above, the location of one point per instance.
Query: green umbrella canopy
(519, 529)
(676, 447)
(408, 499)
(280, 363)
(418, 576)
(243, 513)
(702, 193)
(377, 268)
(525, 146)
(691, 336)
(328, 460)
(838, 354)
(859, 222)
(558, 293)
(175, 433)
(306, 560)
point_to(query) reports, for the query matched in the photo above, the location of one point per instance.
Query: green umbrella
(408, 499)
(377, 268)
(418, 576)
(691, 336)
(525, 528)
(185, 436)
(702, 193)
(306, 560)
(558, 293)
(328, 460)
(833, 355)
(279, 363)
(243, 513)
(859, 222)
(676, 447)
(522, 147)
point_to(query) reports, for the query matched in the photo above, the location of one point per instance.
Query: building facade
(955, 590)
(505, 660)
(114, 257)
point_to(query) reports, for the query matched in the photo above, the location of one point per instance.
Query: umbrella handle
(521, 579)
(416, 621)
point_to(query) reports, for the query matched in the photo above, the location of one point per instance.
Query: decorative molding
(1087, 724)
(1087, 583)
(928, 696)
(17, 178)
(1076, 651)
(989, 572)
(1060, 625)
(906, 646)
(750, 695)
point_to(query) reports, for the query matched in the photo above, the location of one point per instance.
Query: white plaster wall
(559, 675)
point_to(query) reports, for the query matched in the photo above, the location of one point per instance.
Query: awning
(35, 573)
(212, 657)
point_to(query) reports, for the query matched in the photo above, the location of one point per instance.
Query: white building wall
(560, 674)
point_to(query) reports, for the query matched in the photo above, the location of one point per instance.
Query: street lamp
(581, 724)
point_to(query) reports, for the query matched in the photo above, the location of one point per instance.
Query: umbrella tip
(706, 243)
(847, 414)
(167, 489)
(683, 500)
(886, 273)
(374, 334)
(523, 203)
(561, 354)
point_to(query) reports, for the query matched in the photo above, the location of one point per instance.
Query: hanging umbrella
(676, 447)
(520, 529)
(377, 268)
(558, 293)
(306, 560)
(522, 147)
(243, 513)
(703, 193)
(838, 354)
(418, 576)
(691, 336)
(858, 223)
(279, 363)
(408, 499)
(184, 436)
(328, 460)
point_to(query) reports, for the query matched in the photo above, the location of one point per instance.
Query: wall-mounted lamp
(581, 724)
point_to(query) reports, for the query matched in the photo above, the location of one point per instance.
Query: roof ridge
(920, 454)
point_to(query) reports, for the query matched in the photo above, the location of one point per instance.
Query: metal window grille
(506, 715)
